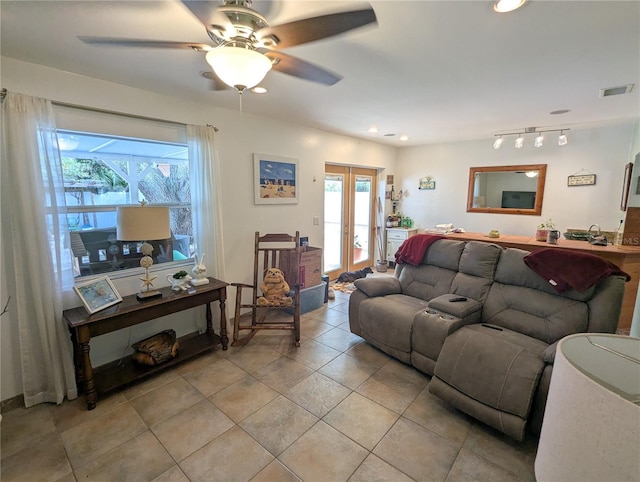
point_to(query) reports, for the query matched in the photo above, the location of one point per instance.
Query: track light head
(519, 142)
(539, 141)
(498, 143)
(562, 139)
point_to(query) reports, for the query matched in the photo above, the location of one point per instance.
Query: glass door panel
(333, 221)
(362, 241)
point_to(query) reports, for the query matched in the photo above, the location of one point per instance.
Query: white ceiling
(436, 71)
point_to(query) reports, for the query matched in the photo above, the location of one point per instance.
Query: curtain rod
(3, 94)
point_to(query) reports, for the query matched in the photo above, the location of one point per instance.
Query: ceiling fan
(245, 47)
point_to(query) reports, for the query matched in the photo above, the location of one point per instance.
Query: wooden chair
(271, 251)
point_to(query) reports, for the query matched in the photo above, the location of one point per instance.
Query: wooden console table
(131, 312)
(626, 258)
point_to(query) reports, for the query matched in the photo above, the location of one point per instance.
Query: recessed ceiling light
(559, 111)
(504, 6)
(404, 138)
(259, 90)
(372, 130)
(621, 89)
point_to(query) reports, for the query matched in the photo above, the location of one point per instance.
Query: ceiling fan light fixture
(238, 67)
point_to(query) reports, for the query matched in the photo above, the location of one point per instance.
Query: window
(102, 172)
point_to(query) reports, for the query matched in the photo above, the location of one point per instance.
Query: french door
(349, 219)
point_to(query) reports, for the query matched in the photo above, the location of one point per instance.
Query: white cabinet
(395, 237)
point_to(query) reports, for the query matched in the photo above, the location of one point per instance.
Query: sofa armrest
(460, 309)
(379, 286)
(549, 354)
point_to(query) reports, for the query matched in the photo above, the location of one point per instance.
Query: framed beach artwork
(275, 179)
(97, 294)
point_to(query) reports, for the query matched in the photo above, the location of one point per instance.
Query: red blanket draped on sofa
(412, 251)
(567, 269)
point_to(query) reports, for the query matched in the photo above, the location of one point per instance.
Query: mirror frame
(536, 211)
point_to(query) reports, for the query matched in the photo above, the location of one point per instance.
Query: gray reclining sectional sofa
(491, 355)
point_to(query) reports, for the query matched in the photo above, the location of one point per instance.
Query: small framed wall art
(581, 180)
(275, 179)
(427, 183)
(97, 294)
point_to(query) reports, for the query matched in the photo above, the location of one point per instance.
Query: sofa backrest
(476, 270)
(522, 301)
(434, 276)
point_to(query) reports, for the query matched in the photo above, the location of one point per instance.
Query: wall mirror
(506, 189)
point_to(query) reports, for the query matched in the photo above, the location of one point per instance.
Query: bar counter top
(625, 257)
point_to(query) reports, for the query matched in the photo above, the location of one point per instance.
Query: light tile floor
(334, 409)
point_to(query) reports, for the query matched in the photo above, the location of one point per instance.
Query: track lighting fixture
(539, 139)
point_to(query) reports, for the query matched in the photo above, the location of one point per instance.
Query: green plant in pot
(542, 231)
(179, 281)
(180, 274)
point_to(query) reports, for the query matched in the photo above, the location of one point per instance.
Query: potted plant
(179, 281)
(542, 232)
(357, 249)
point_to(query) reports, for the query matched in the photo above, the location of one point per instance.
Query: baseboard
(12, 403)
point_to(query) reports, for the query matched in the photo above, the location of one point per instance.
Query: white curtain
(206, 206)
(35, 244)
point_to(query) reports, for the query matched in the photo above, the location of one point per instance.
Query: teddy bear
(275, 289)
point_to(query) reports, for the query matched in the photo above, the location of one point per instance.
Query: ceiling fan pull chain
(240, 96)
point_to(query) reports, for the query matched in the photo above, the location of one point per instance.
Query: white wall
(239, 137)
(603, 151)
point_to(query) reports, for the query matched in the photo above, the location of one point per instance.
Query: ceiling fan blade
(296, 67)
(316, 28)
(210, 16)
(129, 42)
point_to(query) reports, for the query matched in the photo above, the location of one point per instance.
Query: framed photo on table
(275, 179)
(97, 294)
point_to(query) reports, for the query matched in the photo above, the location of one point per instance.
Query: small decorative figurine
(179, 281)
(199, 271)
(275, 289)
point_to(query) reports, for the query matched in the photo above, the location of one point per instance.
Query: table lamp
(140, 223)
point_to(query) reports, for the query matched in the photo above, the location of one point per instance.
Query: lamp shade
(142, 223)
(238, 67)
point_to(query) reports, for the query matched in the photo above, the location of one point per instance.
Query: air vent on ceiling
(621, 89)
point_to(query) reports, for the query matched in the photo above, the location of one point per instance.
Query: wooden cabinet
(395, 237)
